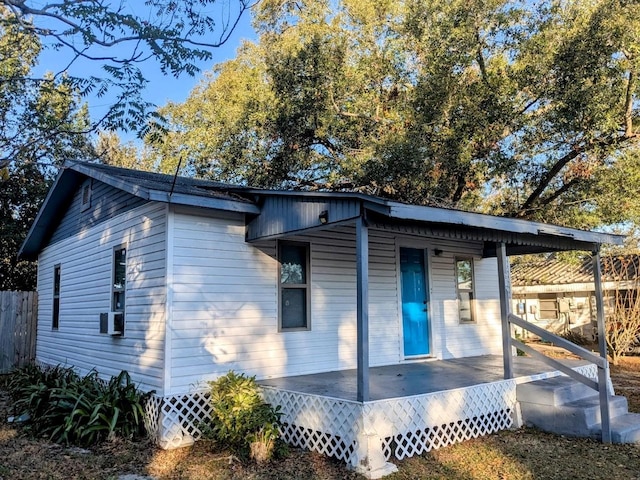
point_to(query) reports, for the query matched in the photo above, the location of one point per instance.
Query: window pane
(56, 313)
(294, 308)
(56, 281)
(465, 306)
(120, 268)
(118, 301)
(293, 264)
(463, 270)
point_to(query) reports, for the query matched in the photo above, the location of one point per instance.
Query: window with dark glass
(119, 279)
(465, 288)
(86, 196)
(55, 322)
(294, 286)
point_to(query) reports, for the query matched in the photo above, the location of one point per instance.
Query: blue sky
(161, 88)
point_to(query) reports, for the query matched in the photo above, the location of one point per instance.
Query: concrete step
(624, 429)
(563, 406)
(578, 418)
(553, 391)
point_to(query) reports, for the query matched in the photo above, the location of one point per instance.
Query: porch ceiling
(407, 379)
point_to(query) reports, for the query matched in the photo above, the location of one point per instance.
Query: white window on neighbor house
(118, 285)
(294, 286)
(55, 321)
(465, 285)
(548, 306)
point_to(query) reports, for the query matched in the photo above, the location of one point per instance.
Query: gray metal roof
(286, 213)
(161, 187)
(278, 213)
(146, 185)
(553, 271)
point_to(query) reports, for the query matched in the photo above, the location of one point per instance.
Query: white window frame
(297, 286)
(471, 292)
(116, 290)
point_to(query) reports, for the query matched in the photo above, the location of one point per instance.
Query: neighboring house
(560, 296)
(180, 280)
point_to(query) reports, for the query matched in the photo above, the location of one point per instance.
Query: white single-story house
(178, 281)
(559, 296)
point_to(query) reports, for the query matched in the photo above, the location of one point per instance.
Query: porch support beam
(362, 273)
(504, 284)
(603, 372)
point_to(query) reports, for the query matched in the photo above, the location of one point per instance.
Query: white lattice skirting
(406, 426)
(398, 427)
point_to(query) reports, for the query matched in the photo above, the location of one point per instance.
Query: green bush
(241, 420)
(71, 409)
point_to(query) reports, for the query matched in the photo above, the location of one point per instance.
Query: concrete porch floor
(415, 378)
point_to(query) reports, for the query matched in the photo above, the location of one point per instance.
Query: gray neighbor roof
(553, 271)
(521, 236)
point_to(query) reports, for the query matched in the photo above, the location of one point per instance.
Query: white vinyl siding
(455, 339)
(86, 260)
(225, 303)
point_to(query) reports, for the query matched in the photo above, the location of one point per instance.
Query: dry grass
(513, 455)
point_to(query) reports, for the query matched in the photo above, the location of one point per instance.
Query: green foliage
(71, 409)
(240, 417)
(177, 35)
(42, 124)
(515, 108)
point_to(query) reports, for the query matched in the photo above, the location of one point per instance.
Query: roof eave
(505, 224)
(204, 202)
(55, 199)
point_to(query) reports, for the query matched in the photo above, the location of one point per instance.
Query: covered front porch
(414, 407)
(368, 414)
(418, 378)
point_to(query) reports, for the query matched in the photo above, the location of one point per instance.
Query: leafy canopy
(27, 110)
(117, 36)
(526, 109)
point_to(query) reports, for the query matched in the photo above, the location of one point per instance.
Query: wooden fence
(18, 320)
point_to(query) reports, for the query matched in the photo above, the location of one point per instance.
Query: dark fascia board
(205, 202)
(369, 202)
(505, 224)
(162, 196)
(419, 213)
(52, 208)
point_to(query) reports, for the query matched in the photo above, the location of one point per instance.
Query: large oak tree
(523, 108)
(28, 109)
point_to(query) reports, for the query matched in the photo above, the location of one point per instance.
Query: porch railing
(601, 386)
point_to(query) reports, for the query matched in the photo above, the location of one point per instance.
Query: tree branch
(546, 179)
(628, 113)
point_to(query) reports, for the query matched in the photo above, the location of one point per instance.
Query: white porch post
(603, 373)
(504, 284)
(362, 273)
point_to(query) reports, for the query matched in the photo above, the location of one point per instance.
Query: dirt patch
(626, 381)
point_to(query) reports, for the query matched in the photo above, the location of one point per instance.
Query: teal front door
(415, 315)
